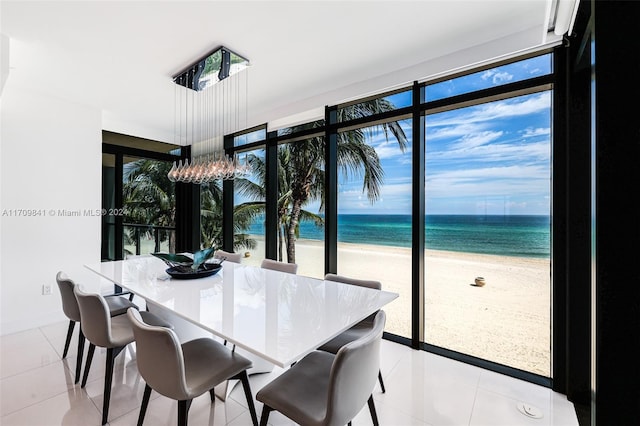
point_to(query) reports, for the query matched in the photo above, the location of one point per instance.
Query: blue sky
(492, 158)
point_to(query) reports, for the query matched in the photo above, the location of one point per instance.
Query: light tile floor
(36, 388)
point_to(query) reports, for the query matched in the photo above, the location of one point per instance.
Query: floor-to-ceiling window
(486, 210)
(300, 209)
(487, 219)
(374, 212)
(139, 202)
(249, 196)
(211, 214)
(108, 243)
(148, 206)
(248, 209)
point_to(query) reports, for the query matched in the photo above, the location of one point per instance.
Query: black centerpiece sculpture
(184, 268)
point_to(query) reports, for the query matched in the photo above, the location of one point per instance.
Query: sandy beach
(507, 321)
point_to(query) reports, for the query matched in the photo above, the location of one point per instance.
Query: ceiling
(119, 57)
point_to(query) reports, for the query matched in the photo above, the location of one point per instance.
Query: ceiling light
(210, 102)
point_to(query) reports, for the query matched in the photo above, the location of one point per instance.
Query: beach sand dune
(507, 321)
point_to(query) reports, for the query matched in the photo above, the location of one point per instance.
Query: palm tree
(255, 189)
(149, 196)
(211, 217)
(301, 170)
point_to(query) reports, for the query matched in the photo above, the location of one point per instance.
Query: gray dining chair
(111, 333)
(117, 304)
(231, 257)
(325, 389)
(291, 268)
(357, 330)
(184, 371)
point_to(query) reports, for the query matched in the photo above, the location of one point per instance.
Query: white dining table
(276, 316)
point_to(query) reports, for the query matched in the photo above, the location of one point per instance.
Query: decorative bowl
(184, 267)
(185, 272)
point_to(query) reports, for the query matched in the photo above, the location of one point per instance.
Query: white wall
(50, 160)
(4, 60)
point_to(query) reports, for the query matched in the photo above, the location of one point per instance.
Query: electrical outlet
(46, 289)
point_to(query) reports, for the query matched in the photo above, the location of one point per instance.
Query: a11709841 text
(62, 212)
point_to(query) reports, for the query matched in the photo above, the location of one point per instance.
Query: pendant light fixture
(210, 102)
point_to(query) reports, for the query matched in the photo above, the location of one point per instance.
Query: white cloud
(395, 198)
(471, 140)
(502, 77)
(386, 150)
(540, 131)
(489, 181)
(496, 76)
(496, 153)
(478, 117)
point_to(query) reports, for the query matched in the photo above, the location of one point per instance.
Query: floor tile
(56, 335)
(36, 385)
(432, 390)
(552, 404)
(73, 408)
(492, 409)
(24, 351)
(126, 392)
(422, 389)
(243, 420)
(390, 355)
(164, 411)
(514, 388)
(387, 415)
(125, 359)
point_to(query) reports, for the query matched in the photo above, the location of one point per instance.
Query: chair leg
(108, 376)
(112, 353)
(372, 410)
(79, 356)
(264, 418)
(183, 412)
(145, 403)
(244, 378)
(87, 364)
(212, 394)
(381, 382)
(72, 324)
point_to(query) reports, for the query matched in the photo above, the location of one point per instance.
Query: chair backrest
(377, 285)
(69, 302)
(290, 268)
(95, 318)
(159, 357)
(354, 374)
(231, 257)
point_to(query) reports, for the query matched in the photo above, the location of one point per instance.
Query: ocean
(521, 235)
